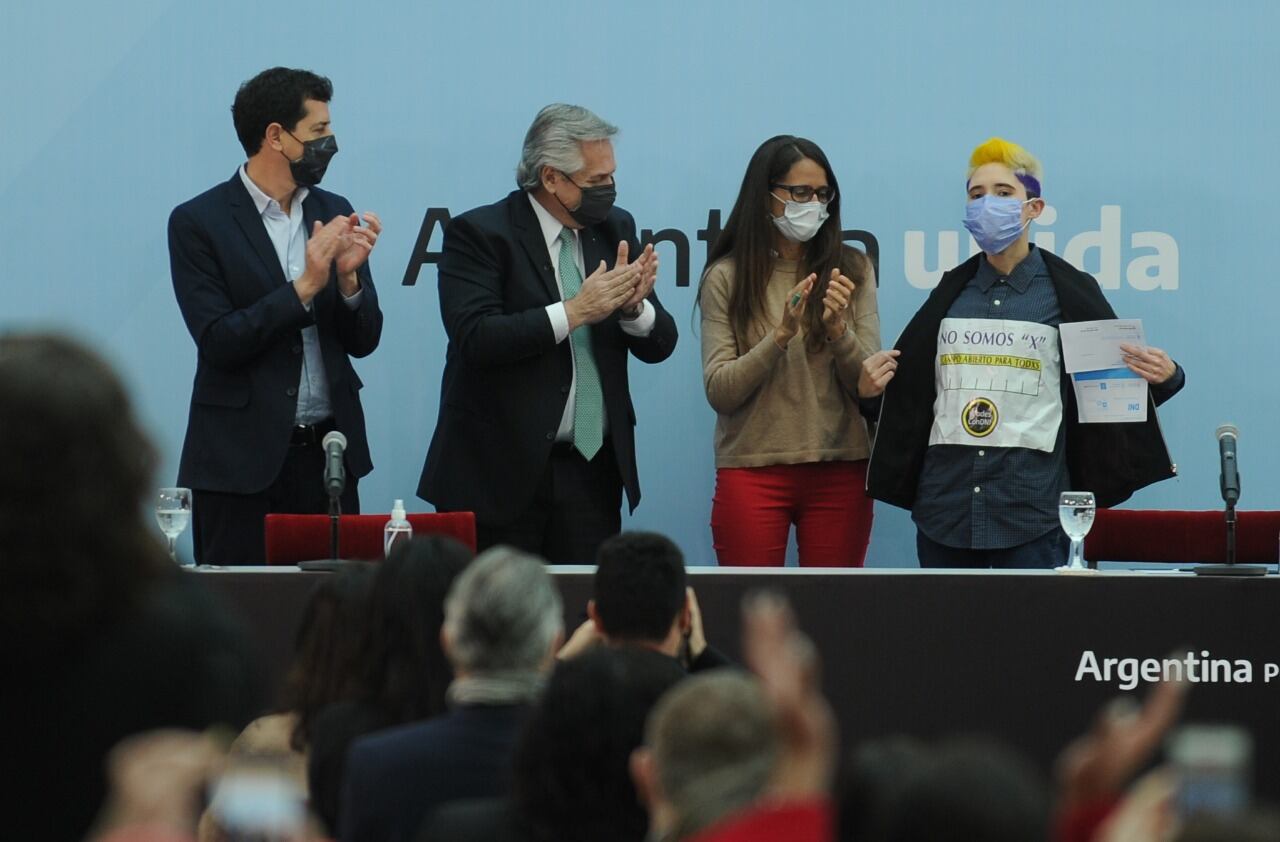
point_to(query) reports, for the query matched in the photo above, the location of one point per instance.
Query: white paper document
(1106, 390)
(1095, 346)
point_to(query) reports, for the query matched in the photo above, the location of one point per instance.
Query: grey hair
(714, 746)
(554, 140)
(502, 613)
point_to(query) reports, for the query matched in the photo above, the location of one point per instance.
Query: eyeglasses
(803, 192)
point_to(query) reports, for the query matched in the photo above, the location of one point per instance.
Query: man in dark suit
(272, 279)
(536, 427)
(503, 622)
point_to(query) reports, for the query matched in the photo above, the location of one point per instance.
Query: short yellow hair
(1025, 166)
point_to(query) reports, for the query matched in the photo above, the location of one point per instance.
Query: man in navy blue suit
(272, 278)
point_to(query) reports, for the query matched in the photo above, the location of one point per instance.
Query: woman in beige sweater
(788, 317)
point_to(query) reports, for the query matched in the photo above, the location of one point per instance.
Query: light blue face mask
(995, 221)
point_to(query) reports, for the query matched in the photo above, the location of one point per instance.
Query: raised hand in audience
(1147, 813)
(584, 638)
(157, 780)
(787, 663)
(1094, 770)
(695, 637)
(1123, 738)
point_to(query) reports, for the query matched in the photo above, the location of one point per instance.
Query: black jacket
(506, 380)
(1111, 460)
(335, 728)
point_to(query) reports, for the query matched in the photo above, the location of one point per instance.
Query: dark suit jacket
(506, 380)
(474, 820)
(246, 321)
(332, 733)
(396, 778)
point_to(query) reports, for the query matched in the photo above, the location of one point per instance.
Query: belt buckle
(303, 434)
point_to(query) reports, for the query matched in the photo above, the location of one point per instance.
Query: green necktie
(588, 399)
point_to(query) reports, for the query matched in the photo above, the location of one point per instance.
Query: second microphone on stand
(335, 472)
(1230, 477)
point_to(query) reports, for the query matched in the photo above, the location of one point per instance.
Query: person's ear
(272, 137)
(1034, 208)
(446, 642)
(550, 178)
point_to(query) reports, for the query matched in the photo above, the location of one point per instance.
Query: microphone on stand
(335, 480)
(1229, 484)
(1229, 478)
(335, 472)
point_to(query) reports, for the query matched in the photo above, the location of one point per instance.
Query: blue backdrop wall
(1155, 123)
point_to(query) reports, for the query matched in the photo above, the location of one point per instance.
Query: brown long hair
(75, 548)
(748, 238)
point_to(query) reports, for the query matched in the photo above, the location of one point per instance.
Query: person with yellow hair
(978, 431)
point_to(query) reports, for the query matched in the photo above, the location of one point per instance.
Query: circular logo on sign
(979, 417)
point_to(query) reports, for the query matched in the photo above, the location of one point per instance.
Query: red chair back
(1177, 537)
(294, 538)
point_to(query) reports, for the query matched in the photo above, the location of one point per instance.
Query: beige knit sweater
(784, 407)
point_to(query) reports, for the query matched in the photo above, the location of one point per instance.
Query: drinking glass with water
(173, 513)
(1075, 511)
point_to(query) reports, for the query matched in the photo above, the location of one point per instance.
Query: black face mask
(595, 205)
(309, 169)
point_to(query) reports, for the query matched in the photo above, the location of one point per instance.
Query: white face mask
(800, 221)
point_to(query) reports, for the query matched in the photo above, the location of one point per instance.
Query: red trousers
(753, 509)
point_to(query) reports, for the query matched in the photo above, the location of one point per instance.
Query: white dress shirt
(289, 237)
(641, 326)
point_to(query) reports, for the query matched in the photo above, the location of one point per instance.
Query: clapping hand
(605, 290)
(357, 244)
(648, 261)
(792, 309)
(326, 242)
(838, 298)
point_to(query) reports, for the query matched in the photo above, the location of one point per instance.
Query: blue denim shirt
(986, 498)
